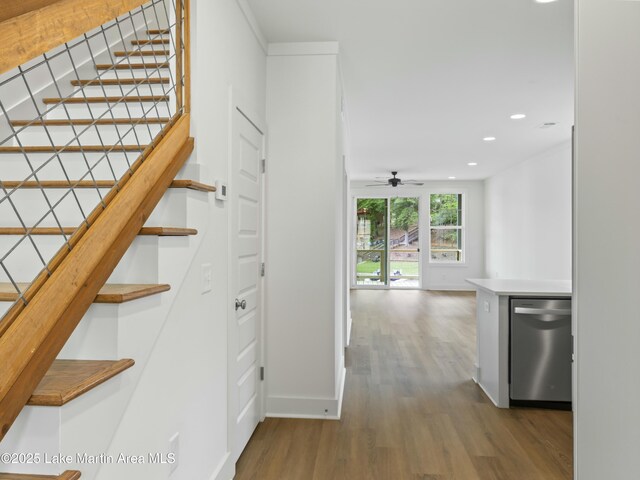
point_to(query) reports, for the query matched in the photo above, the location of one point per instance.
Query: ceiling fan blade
(412, 182)
(377, 185)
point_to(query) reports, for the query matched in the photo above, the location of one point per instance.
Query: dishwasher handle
(542, 311)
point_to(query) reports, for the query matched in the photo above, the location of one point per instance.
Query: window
(446, 227)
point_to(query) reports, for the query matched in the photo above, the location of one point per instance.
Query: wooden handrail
(33, 332)
(16, 309)
(11, 9)
(33, 27)
(32, 341)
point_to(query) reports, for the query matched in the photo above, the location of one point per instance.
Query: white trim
(225, 470)
(450, 287)
(303, 48)
(349, 327)
(449, 264)
(343, 374)
(306, 407)
(497, 404)
(303, 416)
(253, 23)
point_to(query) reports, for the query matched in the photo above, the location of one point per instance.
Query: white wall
(528, 218)
(184, 386)
(607, 229)
(439, 276)
(304, 237)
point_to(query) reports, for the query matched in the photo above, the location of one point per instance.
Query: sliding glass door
(371, 241)
(404, 242)
(387, 242)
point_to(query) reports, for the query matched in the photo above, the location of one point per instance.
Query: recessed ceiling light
(472, 164)
(452, 178)
(518, 116)
(489, 139)
(545, 1)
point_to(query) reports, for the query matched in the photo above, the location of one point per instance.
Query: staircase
(122, 105)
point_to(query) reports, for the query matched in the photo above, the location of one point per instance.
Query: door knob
(241, 304)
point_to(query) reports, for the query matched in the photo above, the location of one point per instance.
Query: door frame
(237, 104)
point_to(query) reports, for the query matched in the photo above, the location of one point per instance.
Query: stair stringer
(88, 423)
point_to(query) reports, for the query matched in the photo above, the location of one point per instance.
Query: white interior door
(245, 194)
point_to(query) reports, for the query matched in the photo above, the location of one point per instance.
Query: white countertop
(513, 287)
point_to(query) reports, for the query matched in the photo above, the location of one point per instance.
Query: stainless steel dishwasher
(540, 352)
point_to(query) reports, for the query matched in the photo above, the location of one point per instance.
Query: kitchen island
(492, 322)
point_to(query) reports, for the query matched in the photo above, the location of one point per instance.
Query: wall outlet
(174, 452)
(207, 278)
(487, 306)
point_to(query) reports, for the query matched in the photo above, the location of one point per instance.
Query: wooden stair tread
(68, 379)
(151, 231)
(164, 31)
(73, 148)
(120, 81)
(190, 184)
(193, 185)
(142, 53)
(109, 293)
(68, 475)
(128, 99)
(89, 121)
(156, 41)
(127, 66)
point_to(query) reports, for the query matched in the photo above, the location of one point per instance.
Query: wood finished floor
(410, 410)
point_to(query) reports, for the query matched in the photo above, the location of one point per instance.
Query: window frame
(461, 228)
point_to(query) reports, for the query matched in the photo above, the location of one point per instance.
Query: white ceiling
(426, 80)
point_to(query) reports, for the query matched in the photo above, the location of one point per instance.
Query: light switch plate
(221, 190)
(207, 279)
(487, 306)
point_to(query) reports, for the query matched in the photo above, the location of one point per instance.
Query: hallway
(411, 410)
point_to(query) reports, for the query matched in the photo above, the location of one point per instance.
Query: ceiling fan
(394, 182)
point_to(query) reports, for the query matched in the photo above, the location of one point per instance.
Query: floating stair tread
(193, 185)
(128, 99)
(89, 121)
(68, 379)
(73, 148)
(190, 184)
(143, 53)
(68, 475)
(109, 293)
(128, 66)
(156, 41)
(120, 81)
(157, 231)
(164, 31)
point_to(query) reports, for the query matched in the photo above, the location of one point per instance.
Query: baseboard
(305, 407)
(453, 288)
(341, 394)
(497, 404)
(225, 470)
